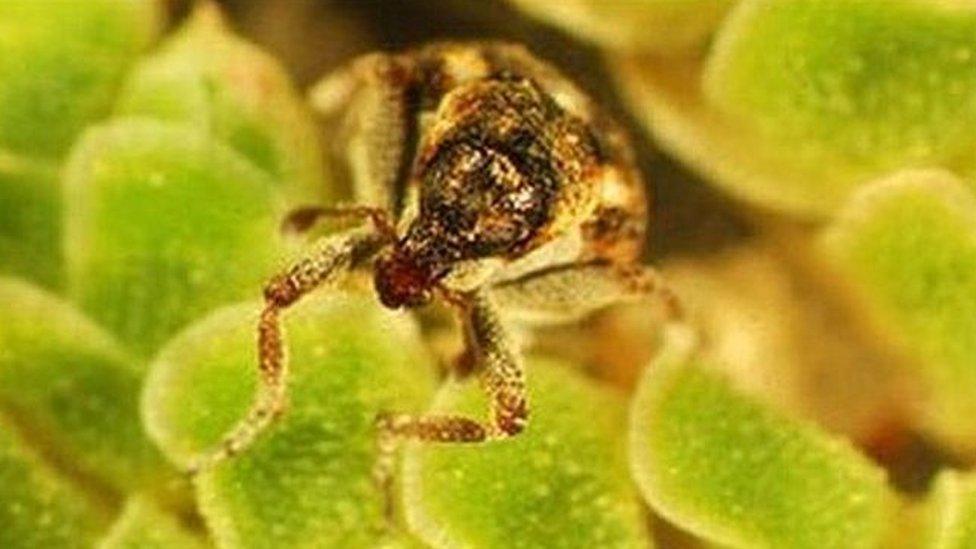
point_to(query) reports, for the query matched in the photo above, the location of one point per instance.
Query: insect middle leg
(570, 292)
(502, 377)
(329, 258)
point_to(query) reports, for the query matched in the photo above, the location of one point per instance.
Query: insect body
(483, 176)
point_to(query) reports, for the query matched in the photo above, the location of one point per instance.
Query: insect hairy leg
(329, 258)
(570, 292)
(502, 378)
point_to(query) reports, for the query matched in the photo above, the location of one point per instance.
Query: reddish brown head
(400, 281)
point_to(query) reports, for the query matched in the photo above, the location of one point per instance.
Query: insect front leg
(499, 364)
(330, 257)
(571, 292)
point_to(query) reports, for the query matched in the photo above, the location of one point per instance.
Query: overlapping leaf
(61, 64)
(801, 101)
(75, 391)
(164, 223)
(562, 483)
(908, 245)
(40, 507)
(307, 482)
(143, 525)
(207, 77)
(30, 219)
(732, 471)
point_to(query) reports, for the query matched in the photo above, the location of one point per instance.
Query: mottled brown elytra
(481, 176)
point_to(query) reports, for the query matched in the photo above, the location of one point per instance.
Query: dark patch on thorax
(491, 176)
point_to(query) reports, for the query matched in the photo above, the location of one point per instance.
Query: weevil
(482, 177)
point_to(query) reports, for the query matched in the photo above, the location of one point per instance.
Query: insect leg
(378, 128)
(329, 258)
(502, 378)
(571, 292)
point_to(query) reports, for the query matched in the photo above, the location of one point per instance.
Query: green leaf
(142, 525)
(667, 97)
(854, 87)
(40, 508)
(663, 26)
(802, 101)
(951, 512)
(163, 223)
(908, 246)
(61, 64)
(73, 389)
(735, 472)
(209, 78)
(561, 483)
(30, 220)
(306, 482)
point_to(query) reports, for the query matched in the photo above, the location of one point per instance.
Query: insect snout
(400, 281)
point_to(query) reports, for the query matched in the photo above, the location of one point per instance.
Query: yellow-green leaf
(853, 87)
(61, 63)
(908, 245)
(735, 472)
(74, 390)
(802, 101)
(38, 507)
(209, 78)
(561, 483)
(307, 481)
(163, 223)
(30, 220)
(143, 525)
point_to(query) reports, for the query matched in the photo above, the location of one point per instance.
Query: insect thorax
(501, 169)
